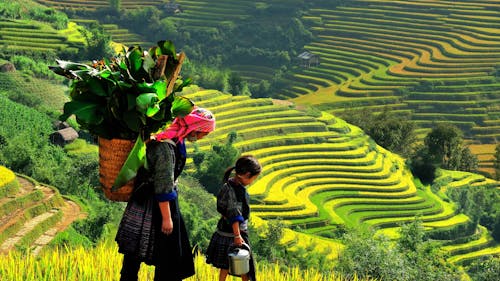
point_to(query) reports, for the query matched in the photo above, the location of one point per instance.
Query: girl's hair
(244, 164)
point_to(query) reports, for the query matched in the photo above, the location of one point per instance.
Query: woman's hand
(167, 226)
(238, 240)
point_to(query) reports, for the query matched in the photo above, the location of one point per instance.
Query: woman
(152, 229)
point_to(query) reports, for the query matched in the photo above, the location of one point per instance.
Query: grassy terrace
(449, 43)
(20, 36)
(96, 4)
(339, 176)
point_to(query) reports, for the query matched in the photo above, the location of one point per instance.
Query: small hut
(7, 67)
(63, 136)
(308, 59)
(172, 8)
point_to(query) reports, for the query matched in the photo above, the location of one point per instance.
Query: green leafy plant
(126, 96)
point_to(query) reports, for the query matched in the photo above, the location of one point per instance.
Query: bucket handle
(243, 245)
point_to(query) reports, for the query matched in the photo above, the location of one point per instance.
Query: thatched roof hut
(63, 136)
(308, 59)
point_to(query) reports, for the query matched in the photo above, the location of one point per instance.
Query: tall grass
(103, 263)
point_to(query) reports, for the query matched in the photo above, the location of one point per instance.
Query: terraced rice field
(322, 172)
(92, 5)
(31, 214)
(440, 54)
(485, 154)
(19, 37)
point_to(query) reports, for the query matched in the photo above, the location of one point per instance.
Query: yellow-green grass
(23, 35)
(6, 176)
(91, 5)
(380, 22)
(8, 182)
(488, 251)
(52, 95)
(483, 241)
(430, 49)
(342, 179)
(296, 240)
(103, 263)
(80, 146)
(73, 34)
(485, 154)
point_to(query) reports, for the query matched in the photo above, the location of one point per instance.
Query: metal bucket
(239, 259)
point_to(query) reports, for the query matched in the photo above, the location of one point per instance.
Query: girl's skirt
(218, 250)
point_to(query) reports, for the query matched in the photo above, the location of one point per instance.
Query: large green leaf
(135, 159)
(161, 89)
(181, 106)
(85, 111)
(96, 86)
(147, 101)
(133, 120)
(167, 48)
(135, 60)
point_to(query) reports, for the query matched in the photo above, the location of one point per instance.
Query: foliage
(266, 246)
(367, 255)
(444, 144)
(481, 204)
(102, 263)
(486, 269)
(33, 67)
(264, 43)
(421, 165)
(97, 42)
(411, 258)
(127, 96)
(198, 210)
(496, 162)
(30, 10)
(389, 130)
(210, 166)
(443, 147)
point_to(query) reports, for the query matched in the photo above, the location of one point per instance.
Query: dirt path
(70, 210)
(10, 218)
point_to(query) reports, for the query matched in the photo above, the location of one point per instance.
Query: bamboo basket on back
(112, 155)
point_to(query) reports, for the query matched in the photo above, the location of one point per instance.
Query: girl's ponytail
(228, 173)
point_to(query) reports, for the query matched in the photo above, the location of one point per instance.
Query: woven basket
(112, 155)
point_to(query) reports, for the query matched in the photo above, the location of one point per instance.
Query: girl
(152, 229)
(233, 204)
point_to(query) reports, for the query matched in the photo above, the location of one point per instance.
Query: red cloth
(200, 120)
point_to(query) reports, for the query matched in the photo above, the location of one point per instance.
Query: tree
(422, 166)
(393, 132)
(445, 148)
(96, 42)
(210, 166)
(115, 5)
(487, 269)
(496, 162)
(444, 145)
(496, 228)
(367, 255)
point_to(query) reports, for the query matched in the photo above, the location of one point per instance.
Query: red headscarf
(200, 120)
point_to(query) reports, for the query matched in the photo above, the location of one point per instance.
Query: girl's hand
(238, 240)
(167, 226)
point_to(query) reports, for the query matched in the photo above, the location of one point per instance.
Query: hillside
(322, 176)
(444, 67)
(434, 60)
(322, 173)
(31, 214)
